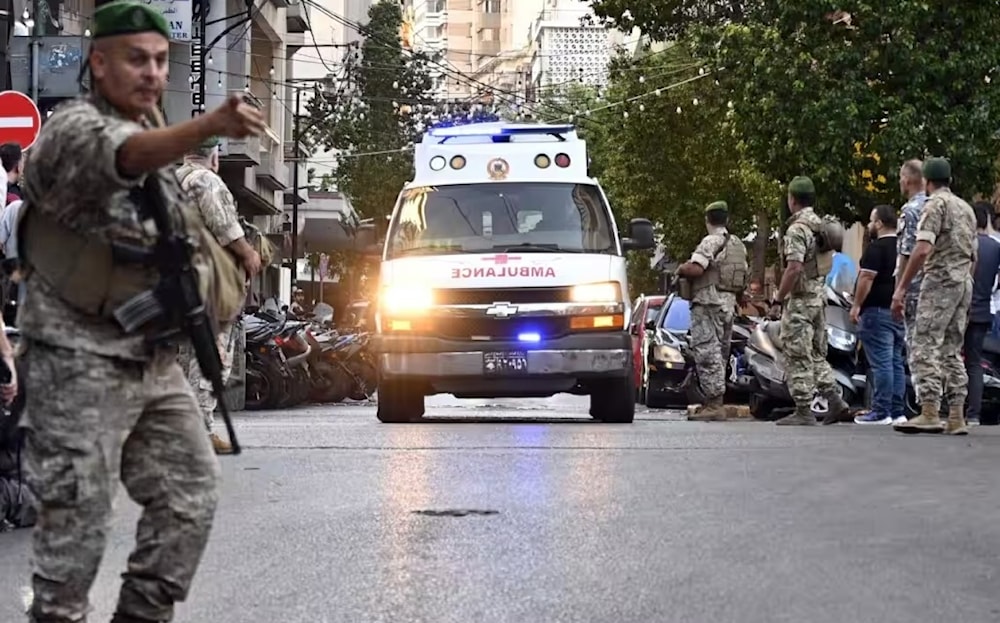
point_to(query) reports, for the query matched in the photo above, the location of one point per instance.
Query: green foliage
(673, 154)
(846, 96)
(373, 111)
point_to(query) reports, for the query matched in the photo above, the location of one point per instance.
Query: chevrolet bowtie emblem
(502, 310)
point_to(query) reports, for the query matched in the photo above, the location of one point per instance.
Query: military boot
(929, 421)
(837, 410)
(712, 411)
(803, 416)
(956, 422)
(221, 446)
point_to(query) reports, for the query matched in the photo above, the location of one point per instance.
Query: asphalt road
(658, 521)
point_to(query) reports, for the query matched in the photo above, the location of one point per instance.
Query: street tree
(370, 114)
(845, 93)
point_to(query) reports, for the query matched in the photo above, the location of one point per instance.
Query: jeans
(882, 338)
(975, 333)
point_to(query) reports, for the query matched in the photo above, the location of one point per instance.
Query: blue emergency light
(497, 131)
(529, 337)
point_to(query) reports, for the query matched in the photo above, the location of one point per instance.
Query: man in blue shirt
(842, 275)
(980, 320)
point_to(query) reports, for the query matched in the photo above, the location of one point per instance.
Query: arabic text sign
(178, 14)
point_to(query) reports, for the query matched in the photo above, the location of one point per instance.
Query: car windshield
(677, 316)
(543, 217)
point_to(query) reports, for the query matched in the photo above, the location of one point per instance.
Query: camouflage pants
(202, 386)
(711, 330)
(92, 420)
(803, 342)
(910, 322)
(936, 362)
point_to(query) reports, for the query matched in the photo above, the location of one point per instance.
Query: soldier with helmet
(107, 400)
(807, 250)
(946, 251)
(716, 274)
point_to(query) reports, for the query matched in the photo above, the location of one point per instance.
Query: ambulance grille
(485, 296)
(547, 327)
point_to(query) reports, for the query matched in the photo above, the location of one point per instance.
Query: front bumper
(603, 355)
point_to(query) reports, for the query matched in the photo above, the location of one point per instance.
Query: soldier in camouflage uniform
(911, 184)
(199, 177)
(104, 404)
(803, 320)
(712, 307)
(946, 251)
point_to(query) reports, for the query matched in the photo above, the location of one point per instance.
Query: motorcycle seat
(773, 330)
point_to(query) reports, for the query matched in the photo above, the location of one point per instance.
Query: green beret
(937, 169)
(717, 205)
(211, 143)
(801, 185)
(127, 17)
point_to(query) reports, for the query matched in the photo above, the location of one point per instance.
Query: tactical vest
(818, 261)
(728, 271)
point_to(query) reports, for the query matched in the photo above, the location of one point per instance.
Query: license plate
(504, 363)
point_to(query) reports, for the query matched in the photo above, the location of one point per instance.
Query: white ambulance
(503, 275)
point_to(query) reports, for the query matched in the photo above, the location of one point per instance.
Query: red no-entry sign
(20, 120)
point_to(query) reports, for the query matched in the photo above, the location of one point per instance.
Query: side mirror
(640, 235)
(651, 325)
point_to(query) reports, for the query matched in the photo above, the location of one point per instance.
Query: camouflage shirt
(949, 224)
(906, 232)
(73, 176)
(799, 245)
(704, 255)
(207, 190)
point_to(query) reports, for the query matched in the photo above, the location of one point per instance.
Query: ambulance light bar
(498, 132)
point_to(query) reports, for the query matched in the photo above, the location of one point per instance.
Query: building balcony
(297, 17)
(244, 151)
(270, 173)
(489, 20)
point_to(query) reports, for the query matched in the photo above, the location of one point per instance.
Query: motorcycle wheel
(336, 382)
(364, 381)
(265, 384)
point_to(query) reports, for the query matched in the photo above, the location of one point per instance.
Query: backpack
(17, 504)
(829, 239)
(734, 272)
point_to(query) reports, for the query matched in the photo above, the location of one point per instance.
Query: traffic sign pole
(20, 119)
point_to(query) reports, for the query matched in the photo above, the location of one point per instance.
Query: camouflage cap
(801, 185)
(937, 169)
(717, 205)
(127, 17)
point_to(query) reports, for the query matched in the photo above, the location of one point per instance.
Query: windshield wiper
(430, 250)
(532, 248)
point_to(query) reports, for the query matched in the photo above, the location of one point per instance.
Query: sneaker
(972, 422)
(902, 419)
(873, 418)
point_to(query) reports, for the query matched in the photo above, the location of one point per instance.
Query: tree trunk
(763, 223)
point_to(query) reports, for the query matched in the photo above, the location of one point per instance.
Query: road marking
(17, 122)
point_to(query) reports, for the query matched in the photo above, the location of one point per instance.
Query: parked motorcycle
(767, 365)
(267, 376)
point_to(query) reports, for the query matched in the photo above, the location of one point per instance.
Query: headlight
(396, 299)
(607, 292)
(667, 354)
(840, 339)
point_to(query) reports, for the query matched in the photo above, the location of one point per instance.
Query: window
(491, 6)
(473, 218)
(677, 317)
(652, 311)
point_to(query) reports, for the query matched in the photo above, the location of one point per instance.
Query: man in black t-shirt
(882, 336)
(980, 319)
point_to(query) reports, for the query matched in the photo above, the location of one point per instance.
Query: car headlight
(397, 299)
(607, 292)
(840, 339)
(667, 354)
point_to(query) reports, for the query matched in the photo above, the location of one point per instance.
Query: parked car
(663, 364)
(645, 308)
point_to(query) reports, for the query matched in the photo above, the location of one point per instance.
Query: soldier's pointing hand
(237, 119)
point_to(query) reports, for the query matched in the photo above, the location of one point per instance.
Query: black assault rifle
(179, 297)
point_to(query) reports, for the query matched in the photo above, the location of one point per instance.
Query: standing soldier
(717, 272)
(946, 251)
(199, 177)
(808, 259)
(104, 403)
(911, 184)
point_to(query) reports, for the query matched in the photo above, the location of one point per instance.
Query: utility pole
(36, 43)
(296, 121)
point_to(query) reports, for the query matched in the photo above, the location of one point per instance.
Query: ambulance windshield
(526, 217)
